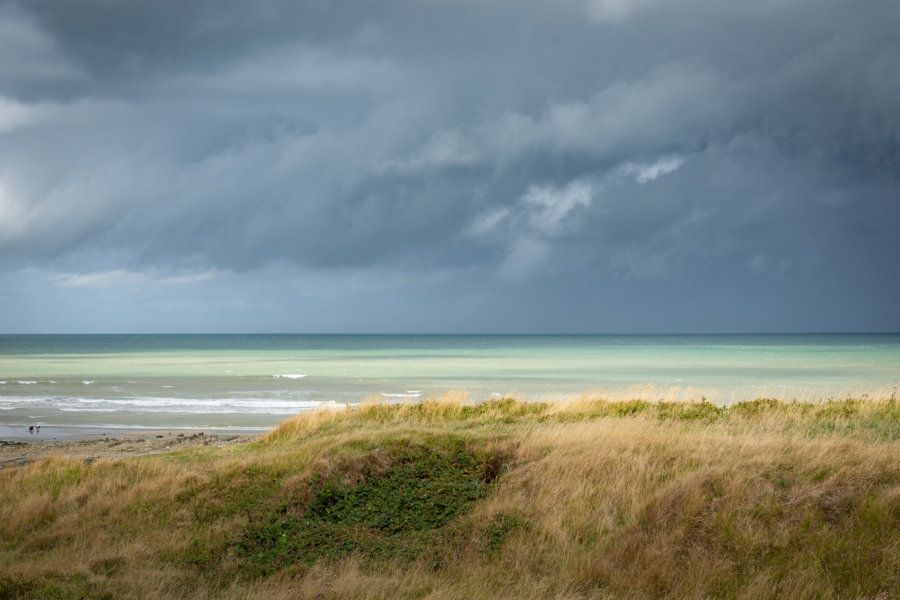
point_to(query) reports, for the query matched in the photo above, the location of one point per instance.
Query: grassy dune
(505, 499)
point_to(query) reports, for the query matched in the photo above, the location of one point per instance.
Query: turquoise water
(241, 381)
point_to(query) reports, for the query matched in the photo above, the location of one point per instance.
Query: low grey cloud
(588, 161)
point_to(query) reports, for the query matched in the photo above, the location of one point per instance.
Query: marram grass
(504, 499)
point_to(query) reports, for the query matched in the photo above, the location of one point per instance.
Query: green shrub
(392, 513)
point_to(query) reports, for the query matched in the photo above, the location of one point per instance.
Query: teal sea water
(249, 381)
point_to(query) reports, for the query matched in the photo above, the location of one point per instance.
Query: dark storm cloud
(736, 149)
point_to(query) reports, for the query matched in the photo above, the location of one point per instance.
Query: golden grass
(597, 499)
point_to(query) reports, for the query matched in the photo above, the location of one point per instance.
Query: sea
(248, 382)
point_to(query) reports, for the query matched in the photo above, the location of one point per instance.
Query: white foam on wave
(289, 376)
(406, 395)
(88, 382)
(27, 382)
(253, 405)
(17, 400)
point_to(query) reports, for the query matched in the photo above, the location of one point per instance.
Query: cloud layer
(599, 165)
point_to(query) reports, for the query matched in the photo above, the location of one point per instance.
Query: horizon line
(465, 333)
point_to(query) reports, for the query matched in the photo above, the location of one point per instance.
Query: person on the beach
(37, 428)
(31, 429)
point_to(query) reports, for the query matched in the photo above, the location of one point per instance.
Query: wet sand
(19, 448)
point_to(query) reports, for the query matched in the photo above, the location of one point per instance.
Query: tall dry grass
(597, 499)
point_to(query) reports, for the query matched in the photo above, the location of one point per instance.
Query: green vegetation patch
(51, 586)
(690, 411)
(498, 529)
(394, 512)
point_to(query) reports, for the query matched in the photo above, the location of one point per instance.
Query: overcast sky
(450, 166)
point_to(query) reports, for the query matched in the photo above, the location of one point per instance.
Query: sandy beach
(90, 444)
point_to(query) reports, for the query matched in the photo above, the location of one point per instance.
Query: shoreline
(64, 433)
(92, 443)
